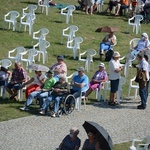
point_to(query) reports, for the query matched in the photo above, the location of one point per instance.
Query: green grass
(87, 25)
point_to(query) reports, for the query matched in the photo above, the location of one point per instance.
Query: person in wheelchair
(142, 45)
(59, 89)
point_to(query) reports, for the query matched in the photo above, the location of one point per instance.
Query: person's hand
(56, 90)
(94, 81)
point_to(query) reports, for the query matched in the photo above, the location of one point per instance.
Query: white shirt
(145, 66)
(36, 81)
(113, 65)
(109, 40)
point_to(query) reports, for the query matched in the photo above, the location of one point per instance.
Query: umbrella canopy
(38, 67)
(107, 29)
(102, 135)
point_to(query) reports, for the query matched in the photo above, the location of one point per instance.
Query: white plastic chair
(40, 34)
(16, 57)
(106, 88)
(44, 4)
(68, 14)
(79, 100)
(27, 20)
(5, 63)
(74, 45)
(134, 86)
(122, 81)
(136, 23)
(71, 76)
(30, 9)
(43, 45)
(133, 43)
(140, 146)
(98, 92)
(20, 92)
(71, 32)
(11, 17)
(90, 53)
(30, 58)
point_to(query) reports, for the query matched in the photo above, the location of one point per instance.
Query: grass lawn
(87, 25)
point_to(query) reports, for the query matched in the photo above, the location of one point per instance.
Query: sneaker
(53, 115)
(24, 108)
(42, 112)
(141, 107)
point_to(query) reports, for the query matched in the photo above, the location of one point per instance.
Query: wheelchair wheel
(69, 104)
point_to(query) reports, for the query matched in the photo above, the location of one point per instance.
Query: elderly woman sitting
(58, 90)
(142, 45)
(71, 141)
(91, 143)
(107, 43)
(99, 77)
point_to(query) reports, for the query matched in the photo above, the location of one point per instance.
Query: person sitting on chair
(107, 43)
(60, 67)
(142, 45)
(35, 83)
(91, 143)
(41, 93)
(71, 141)
(19, 75)
(79, 83)
(99, 77)
(123, 4)
(58, 90)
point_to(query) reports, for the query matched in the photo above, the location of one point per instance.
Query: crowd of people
(53, 85)
(119, 5)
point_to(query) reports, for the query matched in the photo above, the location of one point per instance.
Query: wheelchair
(66, 105)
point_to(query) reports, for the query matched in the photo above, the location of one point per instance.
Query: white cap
(101, 64)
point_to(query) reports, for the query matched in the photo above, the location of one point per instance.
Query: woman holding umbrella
(107, 43)
(91, 143)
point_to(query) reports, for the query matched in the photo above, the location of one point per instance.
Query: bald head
(17, 65)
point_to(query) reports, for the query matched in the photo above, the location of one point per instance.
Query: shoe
(141, 107)
(24, 108)
(53, 115)
(42, 112)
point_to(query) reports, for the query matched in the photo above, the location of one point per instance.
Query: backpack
(109, 55)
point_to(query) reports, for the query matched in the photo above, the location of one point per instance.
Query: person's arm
(28, 82)
(105, 39)
(97, 146)
(60, 146)
(113, 41)
(41, 81)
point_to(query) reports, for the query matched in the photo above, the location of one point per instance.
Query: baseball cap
(101, 64)
(50, 72)
(60, 57)
(80, 69)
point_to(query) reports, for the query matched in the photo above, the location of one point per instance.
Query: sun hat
(80, 69)
(116, 54)
(60, 57)
(50, 72)
(101, 65)
(145, 35)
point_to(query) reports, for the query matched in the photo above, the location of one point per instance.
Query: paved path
(42, 133)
